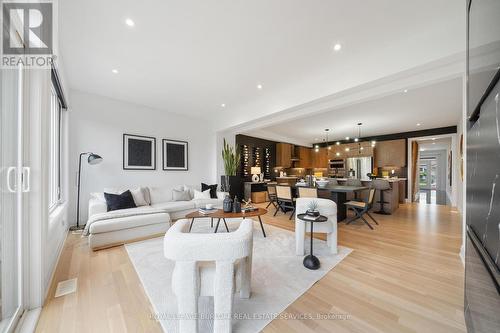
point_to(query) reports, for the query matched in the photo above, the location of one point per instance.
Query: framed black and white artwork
(139, 152)
(175, 155)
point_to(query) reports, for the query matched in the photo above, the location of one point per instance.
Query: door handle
(9, 185)
(26, 179)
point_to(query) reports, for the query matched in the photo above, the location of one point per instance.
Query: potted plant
(231, 158)
(312, 209)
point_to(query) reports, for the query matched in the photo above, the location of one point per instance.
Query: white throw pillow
(138, 195)
(202, 195)
(98, 196)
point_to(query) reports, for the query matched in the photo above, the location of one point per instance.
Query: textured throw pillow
(139, 197)
(98, 196)
(119, 201)
(212, 188)
(202, 195)
(180, 195)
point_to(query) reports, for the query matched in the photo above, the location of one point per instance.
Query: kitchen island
(394, 196)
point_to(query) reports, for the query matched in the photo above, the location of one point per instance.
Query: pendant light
(326, 134)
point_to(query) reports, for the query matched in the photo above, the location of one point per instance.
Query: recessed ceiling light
(433, 139)
(338, 143)
(405, 91)
(347, 149)
(316, 146)
(114, 71)
(418, 124)
(223, 105)
(374, 142)
(361, 148)
(356, 139)
(337, 47)
(338, 154)
(129, 22)
(259, 86)
(347, 138)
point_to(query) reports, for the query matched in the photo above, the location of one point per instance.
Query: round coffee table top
(219, 213)
(320, 218)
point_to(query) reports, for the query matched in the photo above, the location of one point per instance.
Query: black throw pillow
(212, 188)
(119, 201)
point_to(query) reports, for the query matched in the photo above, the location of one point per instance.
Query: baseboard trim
(128, 241)
(462, 254)
(49, 287)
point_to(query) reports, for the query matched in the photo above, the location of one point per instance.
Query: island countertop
(390, 180)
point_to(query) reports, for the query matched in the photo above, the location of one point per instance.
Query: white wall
(97, 124)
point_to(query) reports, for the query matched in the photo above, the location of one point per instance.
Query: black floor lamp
(91, 159)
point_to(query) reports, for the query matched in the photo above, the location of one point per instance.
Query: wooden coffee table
(219, 214)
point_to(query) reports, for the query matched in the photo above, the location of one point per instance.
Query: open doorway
(433, 170)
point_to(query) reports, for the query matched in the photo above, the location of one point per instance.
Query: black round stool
(381, 185)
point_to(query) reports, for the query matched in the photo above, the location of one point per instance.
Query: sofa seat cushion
(174, 206)
(128, 222)
(201, 203)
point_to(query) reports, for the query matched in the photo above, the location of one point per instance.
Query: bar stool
(381, 185)
(353, 182)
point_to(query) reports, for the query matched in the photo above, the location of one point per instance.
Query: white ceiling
(437, 144)
(191, 56)
(432, 106)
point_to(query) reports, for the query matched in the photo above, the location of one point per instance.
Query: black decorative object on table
(236, 206)
(227, 205)
(311, 261)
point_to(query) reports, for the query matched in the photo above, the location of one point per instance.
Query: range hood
(295, 154)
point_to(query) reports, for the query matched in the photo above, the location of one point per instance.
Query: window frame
(55, 198)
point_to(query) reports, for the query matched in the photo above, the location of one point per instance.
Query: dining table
(337, 193)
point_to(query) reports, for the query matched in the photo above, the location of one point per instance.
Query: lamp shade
(94, 159)
(255, 170)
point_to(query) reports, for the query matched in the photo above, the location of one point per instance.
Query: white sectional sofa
(106, 229)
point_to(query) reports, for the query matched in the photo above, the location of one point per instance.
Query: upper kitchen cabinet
(320, 158)
(284, 155)
(305, 157)
(390, 153)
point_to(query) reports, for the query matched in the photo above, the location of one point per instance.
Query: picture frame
(139, 152)
(174, 155)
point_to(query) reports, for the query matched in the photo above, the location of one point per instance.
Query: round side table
(311, 261)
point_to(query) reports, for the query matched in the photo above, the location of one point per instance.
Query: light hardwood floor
(404, 276)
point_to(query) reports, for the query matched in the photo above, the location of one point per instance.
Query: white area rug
(278, 277)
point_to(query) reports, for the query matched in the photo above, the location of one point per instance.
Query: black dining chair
(285, 199)
(361, 208)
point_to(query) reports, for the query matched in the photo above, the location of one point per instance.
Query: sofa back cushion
(163, 193)
(181, 195)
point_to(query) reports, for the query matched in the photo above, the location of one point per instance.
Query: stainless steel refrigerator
(482, 265)
(360, 165)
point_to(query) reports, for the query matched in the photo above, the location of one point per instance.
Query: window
(55, 150)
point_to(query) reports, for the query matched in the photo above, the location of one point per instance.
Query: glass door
(10, 198)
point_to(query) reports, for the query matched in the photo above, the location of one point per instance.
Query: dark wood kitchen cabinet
(390, 153)
(305, 157)
(284, 155)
